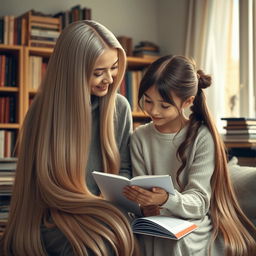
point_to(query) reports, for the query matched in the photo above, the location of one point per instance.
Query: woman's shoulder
(121, 101)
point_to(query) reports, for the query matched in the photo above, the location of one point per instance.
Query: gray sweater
(123, 130)
(154, 153)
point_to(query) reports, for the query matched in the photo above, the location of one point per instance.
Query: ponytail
(228, 219)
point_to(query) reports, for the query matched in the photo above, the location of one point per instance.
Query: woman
(75, 120)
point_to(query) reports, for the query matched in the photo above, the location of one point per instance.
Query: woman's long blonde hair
(177, 74)
(50, 184)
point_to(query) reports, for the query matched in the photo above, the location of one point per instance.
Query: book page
(163, 226)
(111, 187)
(149, 181)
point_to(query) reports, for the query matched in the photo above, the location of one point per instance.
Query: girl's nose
(154, 111)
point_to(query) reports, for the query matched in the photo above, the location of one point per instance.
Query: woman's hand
(143, 197)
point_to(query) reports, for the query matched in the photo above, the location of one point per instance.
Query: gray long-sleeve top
(123, 130)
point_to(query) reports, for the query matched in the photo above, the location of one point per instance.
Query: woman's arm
(123, 133)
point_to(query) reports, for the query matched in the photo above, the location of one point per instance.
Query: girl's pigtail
(199, 115)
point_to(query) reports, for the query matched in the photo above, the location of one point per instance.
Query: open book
(111, 187)
(163, 226)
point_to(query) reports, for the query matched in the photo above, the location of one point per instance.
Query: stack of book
(7, 173)
(240, 129)
(43, 31)
(147, 50)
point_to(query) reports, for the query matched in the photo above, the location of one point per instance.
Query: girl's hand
(151, 210)
(143, 197)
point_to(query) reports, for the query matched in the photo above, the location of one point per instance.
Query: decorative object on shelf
(126, 43)
(146, 49)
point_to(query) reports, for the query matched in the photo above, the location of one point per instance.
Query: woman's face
(104, 72)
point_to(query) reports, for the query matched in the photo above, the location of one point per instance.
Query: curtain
(247, 13)
(207, 43)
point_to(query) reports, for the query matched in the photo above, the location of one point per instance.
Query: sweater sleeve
(194, 201)
(123, 133)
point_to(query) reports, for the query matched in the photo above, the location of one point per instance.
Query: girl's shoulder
(142, 130)
(204, 135)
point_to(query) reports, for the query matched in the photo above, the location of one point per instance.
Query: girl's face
(165, 116)
(104, 72)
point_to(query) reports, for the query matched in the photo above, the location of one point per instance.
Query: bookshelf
(23, 92)
(11, 96)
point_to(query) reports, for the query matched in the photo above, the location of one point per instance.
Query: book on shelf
(8, 70)
(239, 121)
(241, 132)
(163, 226)
(239, 138)
(240, 127)
(7, 173)
(75, 13)
(111, 187)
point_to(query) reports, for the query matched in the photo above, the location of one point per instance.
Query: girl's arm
(193, 202)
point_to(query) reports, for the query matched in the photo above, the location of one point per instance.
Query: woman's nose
(108, 78)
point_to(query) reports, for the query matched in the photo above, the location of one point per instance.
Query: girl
(76, 124)
(192, 153)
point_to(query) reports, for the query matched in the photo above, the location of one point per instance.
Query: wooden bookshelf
(11, 94)
(23, 91)
(138, 62)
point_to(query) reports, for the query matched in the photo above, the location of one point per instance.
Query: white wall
(172, 26)
(160, 21)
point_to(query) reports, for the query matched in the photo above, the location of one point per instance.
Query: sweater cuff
(172, 202)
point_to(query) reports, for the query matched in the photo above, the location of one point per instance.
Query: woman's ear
(189, 101)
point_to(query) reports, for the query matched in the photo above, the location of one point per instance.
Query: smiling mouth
(156, 118)
(102, 87)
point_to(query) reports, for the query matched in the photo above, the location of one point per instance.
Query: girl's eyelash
(115, 67)
(165, 107)
(147, 101)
